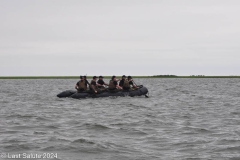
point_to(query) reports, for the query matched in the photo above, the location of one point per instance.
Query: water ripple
(183, 119)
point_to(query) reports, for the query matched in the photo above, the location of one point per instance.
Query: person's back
(86, 82)
(111, 86)
(126, 85)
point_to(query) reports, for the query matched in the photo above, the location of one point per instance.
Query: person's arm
(121, 83)
(93, 86)
(76, 86)
(118, 87)
(131, 82)
(87, 82)
(106, 84)
(98, 83)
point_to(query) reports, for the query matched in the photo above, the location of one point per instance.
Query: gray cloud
(137, 37)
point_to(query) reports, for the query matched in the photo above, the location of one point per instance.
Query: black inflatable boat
(73, 94)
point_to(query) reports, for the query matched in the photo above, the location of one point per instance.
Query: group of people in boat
(97, 84)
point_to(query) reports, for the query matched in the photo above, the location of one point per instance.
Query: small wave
(134, 132)
(235, 113)
(51, 127)
(96, 126)
(58, 139)
(138, 106)
(228, 148)
(81, 140)
(9, 131)
(14, 141)
(60, 147)
(43, 119)
(192, 130)
(17, 147)
(118, 124)
(39, 132)
(228, 141)
(20, 116)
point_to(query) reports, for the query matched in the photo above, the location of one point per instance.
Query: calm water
(182, 119)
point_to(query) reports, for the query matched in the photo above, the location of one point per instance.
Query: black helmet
(101, 77)
(129, 77)
(81, 77)
(95, 77)
(123, 76)
(113, 77)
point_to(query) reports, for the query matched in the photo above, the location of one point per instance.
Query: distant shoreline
(89, 77)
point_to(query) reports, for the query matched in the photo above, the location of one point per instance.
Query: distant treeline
(164, 76)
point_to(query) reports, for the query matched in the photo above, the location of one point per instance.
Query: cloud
(113, 37)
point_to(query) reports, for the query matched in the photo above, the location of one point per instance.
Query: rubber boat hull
(73, 94)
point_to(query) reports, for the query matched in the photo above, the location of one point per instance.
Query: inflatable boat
(74, 94)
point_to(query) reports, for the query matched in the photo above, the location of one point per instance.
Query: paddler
(131, 82)
(113, 85)
(81, 85)
(124, 83)
(94, 88)
(101, 84)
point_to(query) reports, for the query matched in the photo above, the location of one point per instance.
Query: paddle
(91, 86)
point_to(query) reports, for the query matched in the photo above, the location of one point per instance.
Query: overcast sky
(109, 37)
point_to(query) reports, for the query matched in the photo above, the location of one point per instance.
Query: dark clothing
(100, 82)
(86, 82)
(131, 83)
(121, 82)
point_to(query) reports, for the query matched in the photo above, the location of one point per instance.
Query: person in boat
(113, 85)
(122, 80)
(124, 83)
(87, 83)
(81, 85)
(94, 88)
(131, 84)
(101, 84)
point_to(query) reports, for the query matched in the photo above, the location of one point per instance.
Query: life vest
(111, 85)
(93, 86)
(81, 85)
(126, 84)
